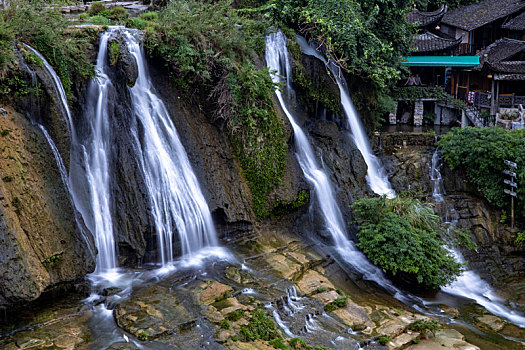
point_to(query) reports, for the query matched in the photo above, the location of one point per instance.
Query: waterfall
(376, 176)
(89, 171)
(279, 65)
(469, 284)
(61, 94)
(177, 202)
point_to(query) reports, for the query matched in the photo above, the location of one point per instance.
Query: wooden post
(497, 95)
(492, 99)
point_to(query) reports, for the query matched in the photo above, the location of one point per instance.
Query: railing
(483, 99)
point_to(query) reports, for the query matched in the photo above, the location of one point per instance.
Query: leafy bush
(336, 304)
(481, 154)
(118, 13)
(96, 8)
(520, 238)
(423, 326)
(99, 20)
(401, 235)
(260, 326)
(149, 16)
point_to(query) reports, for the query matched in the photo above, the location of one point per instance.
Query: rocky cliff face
(40, 243)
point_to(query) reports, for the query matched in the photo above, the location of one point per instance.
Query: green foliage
(149, 16)
(384, 339)
(481, 154)
(5, 132)
(52, 260)
(294, 344)
(225, 324)
(235, 315)
(401, 235)
(423, 326)
(142, 336)
(113, 52)
(7, 179)
(96, 8)
(225, 295)
(336, 304)
(260, 326)
(520, 238)
(363, 41)
(43, 27)
(99, 20)
(281, 207)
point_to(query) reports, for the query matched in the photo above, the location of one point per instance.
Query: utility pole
(512, 192)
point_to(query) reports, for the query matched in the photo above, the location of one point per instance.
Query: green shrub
(225, 324)
(118, 13)
(99, 20)
(481, 154)
(113, 53)
(402, 235)
(83, 17)
(383, 340)
(520, 238)
(149, 16)
(260, 326)
(423, 326)
(96, 8)
(336, 304)
(235, 315)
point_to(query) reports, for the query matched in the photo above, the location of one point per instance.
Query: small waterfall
(177, 202)
(376, 177)
(60, 93)
(468, 284)
(277, 60)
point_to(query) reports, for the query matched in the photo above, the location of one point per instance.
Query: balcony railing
(483, 99)
(467, 49)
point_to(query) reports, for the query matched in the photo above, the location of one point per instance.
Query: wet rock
(402, 340)
(152, 313)
(42, 246)
(312, 281)
(356, 317)
(212, 290)
(444, 339)
(493, 322)
(396, 326)
(120, 57)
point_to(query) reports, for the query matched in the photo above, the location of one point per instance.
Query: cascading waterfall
(376, 176)
(61, 94)
(177, 202)
(468, 284)
(89, 171)
(278, 63)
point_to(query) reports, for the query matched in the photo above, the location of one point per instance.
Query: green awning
(441, 61)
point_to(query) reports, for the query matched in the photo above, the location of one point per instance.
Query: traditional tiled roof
(517, 23)
(496, 59)
(429, 42)
(424, 19)
(477, 15)
(500, 50)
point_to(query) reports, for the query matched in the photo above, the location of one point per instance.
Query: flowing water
(90, 164)
(176, 199)
(376, 177)
(468, 284)
(278, 62)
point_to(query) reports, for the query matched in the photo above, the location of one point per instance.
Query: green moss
(7, 179)
(5, 132)
(17, 204)
(142, 336)
(423, 326)
(336, 304)
(235, 315)
(281, 207)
